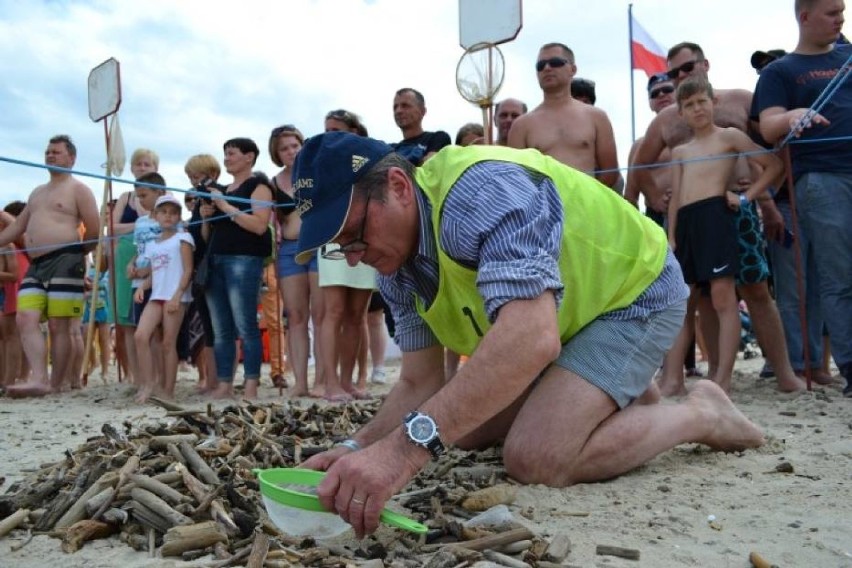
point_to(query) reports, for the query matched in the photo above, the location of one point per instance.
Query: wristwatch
(422, 431)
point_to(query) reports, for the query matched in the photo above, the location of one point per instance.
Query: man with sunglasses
(563, 295)
(668, 130)
(660, 95)
(573, 132)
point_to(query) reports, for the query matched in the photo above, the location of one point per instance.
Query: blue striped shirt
(505, 222)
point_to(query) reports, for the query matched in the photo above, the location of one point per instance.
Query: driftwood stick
(200, 491)
(504, 560)
(174, 452)
(62, 503)
(607, 550)
(259, 550)
(166, 404)
(208, 500)
(191, 537)
(169, 477)
(161, 490)
(13, 521)
(486, 542)
(160, 507)
(161, 442)
(83, 531)
(78, 510)
(198, 466)
(128, 469)
(94, 504)
(148, 518)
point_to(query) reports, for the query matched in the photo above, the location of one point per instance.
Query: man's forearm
(414, 387)
(522, 342)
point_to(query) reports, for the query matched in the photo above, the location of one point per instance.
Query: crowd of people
(171, 291)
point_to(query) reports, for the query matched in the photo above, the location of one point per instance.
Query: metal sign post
(484, 24)
(104, 100)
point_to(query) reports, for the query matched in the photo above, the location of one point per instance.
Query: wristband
(351, 444)
(743, 200)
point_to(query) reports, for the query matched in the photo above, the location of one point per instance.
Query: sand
(799, 519)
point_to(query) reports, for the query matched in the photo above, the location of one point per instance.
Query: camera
(205, 186)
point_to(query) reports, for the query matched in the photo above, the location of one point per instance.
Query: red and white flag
(645, 53)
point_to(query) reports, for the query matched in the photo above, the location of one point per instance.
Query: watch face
(421, 429)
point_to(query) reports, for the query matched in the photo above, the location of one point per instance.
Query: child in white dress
(168, 275)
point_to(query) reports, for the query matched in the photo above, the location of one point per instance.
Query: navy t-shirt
(796, 81)
(414, 149)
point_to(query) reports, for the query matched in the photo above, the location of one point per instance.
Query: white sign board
(488, 21)
(104, 90)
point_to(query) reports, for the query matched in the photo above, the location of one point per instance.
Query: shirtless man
(506, 112)
(54, 283)
(573, 132)
(660, 95)
(668, 130)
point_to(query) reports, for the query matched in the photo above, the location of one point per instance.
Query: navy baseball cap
(657, 78)
(326, 169)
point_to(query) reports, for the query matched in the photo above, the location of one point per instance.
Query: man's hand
(323, 461)
(733, 200)
(802, 118)
(359, 484)
(773, 222)
(659, 202)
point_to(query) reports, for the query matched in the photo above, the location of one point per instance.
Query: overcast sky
(195, 73)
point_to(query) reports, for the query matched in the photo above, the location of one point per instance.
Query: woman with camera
(236, 230)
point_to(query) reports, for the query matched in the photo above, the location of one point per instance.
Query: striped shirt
(505, 222)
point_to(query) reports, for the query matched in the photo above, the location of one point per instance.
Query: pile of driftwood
(185, 488)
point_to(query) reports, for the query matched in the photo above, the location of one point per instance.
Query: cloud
(197, 73)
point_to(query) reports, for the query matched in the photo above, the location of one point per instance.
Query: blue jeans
(824, 205)
(787, 295)
(232, 296)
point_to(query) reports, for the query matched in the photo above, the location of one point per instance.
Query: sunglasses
(554, 62)
(686, 69)
(342, 115)
(277, 131)
(667, 90)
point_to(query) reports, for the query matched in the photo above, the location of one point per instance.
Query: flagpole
(632, 86)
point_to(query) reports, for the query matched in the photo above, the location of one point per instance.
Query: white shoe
(379, 377)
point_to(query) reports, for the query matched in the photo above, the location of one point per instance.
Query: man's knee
(525, 463)
(27, 320)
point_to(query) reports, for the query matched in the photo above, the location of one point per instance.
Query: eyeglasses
(277, 131)
(358, 244)
(686, 69)
(554, 62)
(666, 90)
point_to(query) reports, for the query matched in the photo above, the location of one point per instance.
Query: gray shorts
(621, 357)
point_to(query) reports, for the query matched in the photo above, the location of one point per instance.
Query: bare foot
(144, 394)
(358, 394)
(820, 377)
(223, 390)
(250, 390)
(650, 396)
(671, 387)
(731, 430)
(791, 383)
(337, 395)
(28, 389)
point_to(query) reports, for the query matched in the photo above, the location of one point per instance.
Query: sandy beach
(664, 509)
